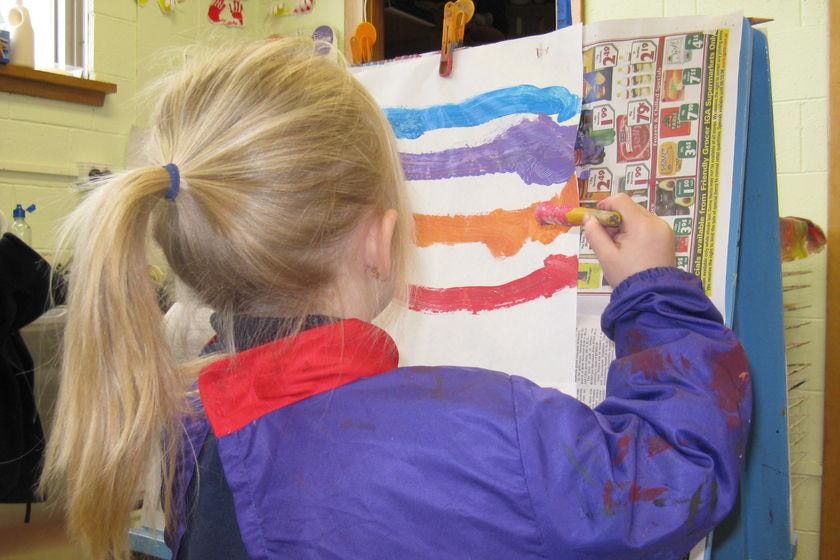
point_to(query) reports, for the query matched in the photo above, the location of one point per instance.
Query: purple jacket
(330, 451)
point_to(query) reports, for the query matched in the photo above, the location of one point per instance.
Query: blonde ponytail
(282, 154)
(119, 389)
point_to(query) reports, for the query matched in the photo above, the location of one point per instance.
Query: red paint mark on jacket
(623, 449)
(639, 494)
(731, 383)
(656, 445)
(636, 342)
(651, 363)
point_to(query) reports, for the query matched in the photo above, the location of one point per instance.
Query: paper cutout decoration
(324, 37)
(291, 7)
(165, 6)
(799, 238)
(227, 14)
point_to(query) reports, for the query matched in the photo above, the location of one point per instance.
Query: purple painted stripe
(539, 150)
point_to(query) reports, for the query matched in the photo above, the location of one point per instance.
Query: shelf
(26, 81)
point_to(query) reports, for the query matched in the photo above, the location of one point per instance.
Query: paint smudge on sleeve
(614, 497)
(639, 494)
(623, 449)
(656, 445)
(731, 383)
(412, 123)
(651, 363)
(636, 341)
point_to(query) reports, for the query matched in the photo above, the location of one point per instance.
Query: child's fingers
(598, 238)
(624, 205)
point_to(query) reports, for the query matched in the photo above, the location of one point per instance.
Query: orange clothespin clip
(361, 43)
(455, 17)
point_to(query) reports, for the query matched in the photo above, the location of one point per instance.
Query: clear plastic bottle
(19, 226)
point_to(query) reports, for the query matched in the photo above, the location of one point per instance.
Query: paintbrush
(549, 213)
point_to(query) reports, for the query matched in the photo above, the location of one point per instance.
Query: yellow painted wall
(42, 141)
(798, 41)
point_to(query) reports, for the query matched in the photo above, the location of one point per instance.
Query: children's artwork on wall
(227, 12)
(324, 37)
(289, 7)
(166, 6)
(481, 149)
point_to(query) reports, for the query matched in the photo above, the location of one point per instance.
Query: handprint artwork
(226, 13)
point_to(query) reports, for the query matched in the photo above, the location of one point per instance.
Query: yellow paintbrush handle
(607, 218)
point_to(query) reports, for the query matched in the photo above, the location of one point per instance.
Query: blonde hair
(282, 153)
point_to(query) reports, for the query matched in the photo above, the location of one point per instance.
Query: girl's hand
(643, 241)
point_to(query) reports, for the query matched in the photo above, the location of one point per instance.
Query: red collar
(237, 390)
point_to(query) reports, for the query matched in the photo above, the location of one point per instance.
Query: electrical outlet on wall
(91, 171)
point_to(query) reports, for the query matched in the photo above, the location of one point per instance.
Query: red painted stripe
(558, 273)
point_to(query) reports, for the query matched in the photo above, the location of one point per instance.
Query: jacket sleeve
(655, 466)
(24, 284)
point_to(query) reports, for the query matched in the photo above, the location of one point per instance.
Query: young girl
(278, 200)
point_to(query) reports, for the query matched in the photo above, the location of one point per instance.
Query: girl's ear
(378, 239)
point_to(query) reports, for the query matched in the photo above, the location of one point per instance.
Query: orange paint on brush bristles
(504, 232)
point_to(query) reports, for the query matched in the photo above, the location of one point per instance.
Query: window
(60, 28)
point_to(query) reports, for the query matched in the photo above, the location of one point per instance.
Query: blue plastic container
(5, 46)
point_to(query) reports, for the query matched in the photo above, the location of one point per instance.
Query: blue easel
(760, 526)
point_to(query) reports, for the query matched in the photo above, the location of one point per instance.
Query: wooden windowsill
(26, 81)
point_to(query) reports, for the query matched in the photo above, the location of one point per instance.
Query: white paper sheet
(494, 138)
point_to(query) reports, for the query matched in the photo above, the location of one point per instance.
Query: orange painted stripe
(504, 232)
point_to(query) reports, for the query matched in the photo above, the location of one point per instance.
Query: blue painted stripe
(554, 100)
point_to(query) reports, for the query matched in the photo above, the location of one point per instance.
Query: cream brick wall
(42, 141)
(798, 42)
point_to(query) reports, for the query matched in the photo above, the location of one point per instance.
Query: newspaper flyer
(657, 123)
